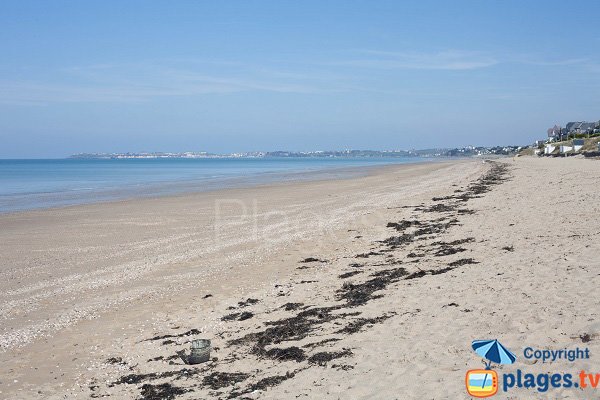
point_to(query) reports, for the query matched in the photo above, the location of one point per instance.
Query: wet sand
(369, 287)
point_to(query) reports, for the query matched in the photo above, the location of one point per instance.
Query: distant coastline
(437, 152)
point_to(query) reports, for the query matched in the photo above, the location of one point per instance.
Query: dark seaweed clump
(164, 391)
(586, 337)
(263, 384)
(247, 302)
(286, 354)
(188, 333)
(218, 380)
(116, 361)
(462, 261)
(356, 325)
(349, 274)
(291, 306)
(237, 316)
(324, 357)
(312, 259)
(137, 378)
(321, 343)
(270, 381)
(441, 208)
(403, 225)
(292, 328)
(357, 294)
(448, 250)
(367, 255)
(356, 265)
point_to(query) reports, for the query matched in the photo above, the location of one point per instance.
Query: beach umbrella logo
(484, 382)
(493, 351)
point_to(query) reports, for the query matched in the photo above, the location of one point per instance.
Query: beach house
(549, 149)
(578, 144)
(555, 132)
(581, 127)
(565, 149)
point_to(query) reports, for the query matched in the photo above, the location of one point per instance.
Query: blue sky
(104, 76)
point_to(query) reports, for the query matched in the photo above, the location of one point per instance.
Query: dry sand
(96, 300)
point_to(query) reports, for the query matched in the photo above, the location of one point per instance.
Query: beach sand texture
(363, 288)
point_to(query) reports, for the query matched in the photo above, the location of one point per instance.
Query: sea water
(34, 184)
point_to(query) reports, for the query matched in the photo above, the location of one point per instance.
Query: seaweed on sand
(164, 391)
(356, 325)
(321, 343)
(116, 361)
(441, 248)
(286, 354)
(454, 242)
(367, 255)
(403, 225)
(292, 328)
(138, 378)
(262, 384)
(356, 265)
(357, 294)
(448, 250)
(312, 259)
(291, 306)
(187, 333)
(270, 381)
(465, 211)
(237, 316)
(394, 242)
(247, 302)
(439, 271)
(441, 208)
(496, 175)
(436, 227)
(349, 274)
(322, 358)
(218, 380)
(445, 197)
(462, 261)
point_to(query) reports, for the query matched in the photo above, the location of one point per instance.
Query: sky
(229, 76)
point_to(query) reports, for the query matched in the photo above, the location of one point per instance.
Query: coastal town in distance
(580, 137)
(463, 151)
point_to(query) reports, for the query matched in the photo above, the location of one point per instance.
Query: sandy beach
(363, 288)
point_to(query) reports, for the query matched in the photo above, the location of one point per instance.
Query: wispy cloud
(442, 60)
(142, 82)
(550, 63)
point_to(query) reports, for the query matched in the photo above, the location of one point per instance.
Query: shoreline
(182, 187)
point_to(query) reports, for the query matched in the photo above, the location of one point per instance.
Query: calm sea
(33, 184)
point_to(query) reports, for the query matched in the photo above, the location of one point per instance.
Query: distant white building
(565, 149)
(549, 149)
